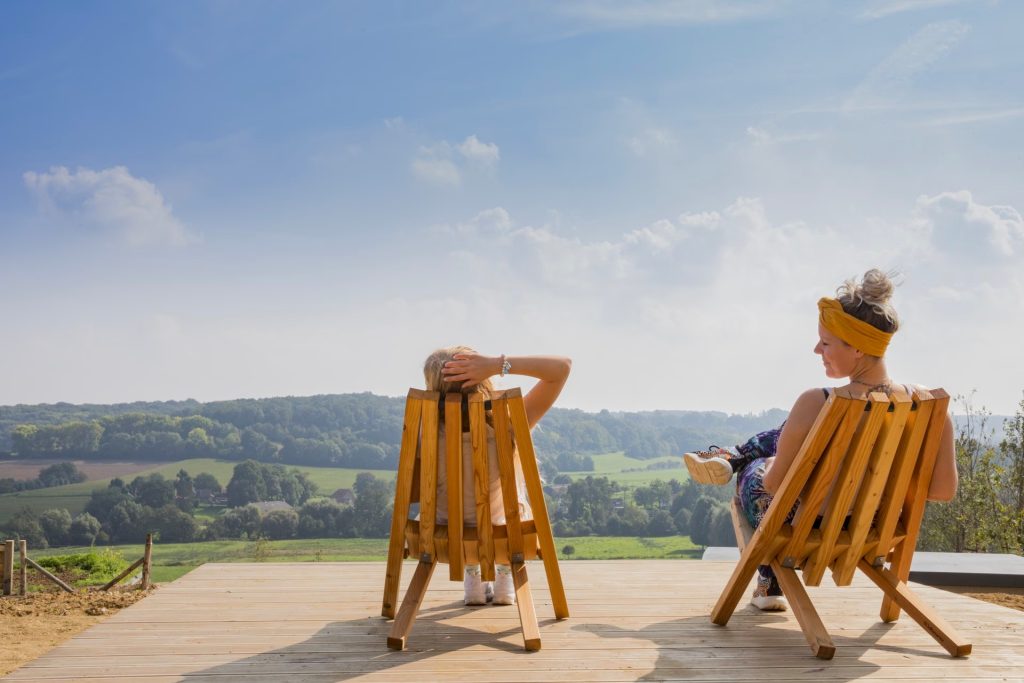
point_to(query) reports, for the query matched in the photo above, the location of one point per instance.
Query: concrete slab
(991, 570)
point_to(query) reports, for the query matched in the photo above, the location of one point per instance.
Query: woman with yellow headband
(854, 330)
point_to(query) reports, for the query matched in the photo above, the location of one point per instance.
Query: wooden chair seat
(859, 484)
(480, 542)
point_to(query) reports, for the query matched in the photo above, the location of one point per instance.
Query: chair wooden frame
(454, 543)
(865, 467)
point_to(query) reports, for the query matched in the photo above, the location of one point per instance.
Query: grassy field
(172, 560)
(627, 471)
(75, 496)
(631, 472)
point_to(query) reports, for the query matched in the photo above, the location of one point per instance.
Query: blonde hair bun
(868, 299)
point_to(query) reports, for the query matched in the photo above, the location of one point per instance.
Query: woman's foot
(504, 588)
(768, 595)
(475, 589)
(709, 467)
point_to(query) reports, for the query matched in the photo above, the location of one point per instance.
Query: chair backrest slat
(506, 466)
(482, 486)
(428, 479)
(453, 467)
(903, 465)
(869, 495)
(851, 473)
(820, 480)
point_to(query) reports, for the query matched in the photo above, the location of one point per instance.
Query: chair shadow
(716, 646)
(326, 649)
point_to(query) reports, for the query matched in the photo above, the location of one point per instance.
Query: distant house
(344, 497)
(271, 505)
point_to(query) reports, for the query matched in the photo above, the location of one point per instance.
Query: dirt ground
(1007, 597)
(32, 625)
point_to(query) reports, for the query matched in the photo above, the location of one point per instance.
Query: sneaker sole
(772, 603)
(708, 470)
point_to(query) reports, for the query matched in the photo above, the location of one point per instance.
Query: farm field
(631, 472)
(29, 469)
(172, 560)
(74, 497)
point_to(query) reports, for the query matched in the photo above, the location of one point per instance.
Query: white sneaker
(768, 596)
(710, 466)
(504, 587)
(475, 593)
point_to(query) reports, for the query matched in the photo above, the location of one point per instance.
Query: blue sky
(228, 199)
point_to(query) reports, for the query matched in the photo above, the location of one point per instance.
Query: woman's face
(839, 358)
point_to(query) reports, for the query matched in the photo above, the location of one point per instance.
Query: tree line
(344, 430)
(59, 474)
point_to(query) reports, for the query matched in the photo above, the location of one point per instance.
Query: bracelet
(506, 367)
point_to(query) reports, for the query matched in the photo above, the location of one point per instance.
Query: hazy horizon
(223, 200)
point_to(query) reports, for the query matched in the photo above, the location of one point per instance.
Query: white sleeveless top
(468, 493)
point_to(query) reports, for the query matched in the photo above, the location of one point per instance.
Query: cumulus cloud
(485, 153)
(966, 228)
(112, 199)
(434, 165)
(445, 164)
(918, 53)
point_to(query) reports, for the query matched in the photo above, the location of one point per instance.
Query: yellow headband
(855, 332)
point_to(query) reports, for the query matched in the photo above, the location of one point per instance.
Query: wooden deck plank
(631, 620)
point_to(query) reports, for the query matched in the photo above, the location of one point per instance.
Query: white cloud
(620, 14)
(436, 170)
(884, 8)
(892, 75)
(962, 227)
(111, 199)
(436, 163)
(762, 137)
(978, 116)
(484, 153)
(652, 141)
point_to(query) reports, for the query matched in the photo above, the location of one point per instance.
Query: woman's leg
(754, 501)
(717, 465)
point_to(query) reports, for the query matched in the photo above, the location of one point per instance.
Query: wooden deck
(631, 620)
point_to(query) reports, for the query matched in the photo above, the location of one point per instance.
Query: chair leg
(733, 591)
(898, 592)
(554, 574)
(402, 625)
(527, 610)
(803, 609)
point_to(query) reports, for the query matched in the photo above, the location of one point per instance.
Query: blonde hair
(868, 300)
(435, 380)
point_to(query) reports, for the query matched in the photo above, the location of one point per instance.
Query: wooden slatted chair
(868, 461)
(456, 543)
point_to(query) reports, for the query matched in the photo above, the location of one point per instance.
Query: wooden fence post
(8, 573)
(23, 567)
(147, 561)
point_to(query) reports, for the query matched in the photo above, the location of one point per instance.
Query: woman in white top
(460, 368)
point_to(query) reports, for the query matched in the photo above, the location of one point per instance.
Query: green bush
(89, 568)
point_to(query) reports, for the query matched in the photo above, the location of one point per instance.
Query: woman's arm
(550, 371)
(798, 425)
(944, 477)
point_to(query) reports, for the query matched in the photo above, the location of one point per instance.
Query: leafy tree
(320, 518)
(153, 490)
(60, 474)
(173, 525)
(372, 507)
(25, 525)
(103, 501)
(239, 522)
(56, 525)
(661, 524)
(206, 481)
(84, 529)
(280, 524)
(700, 521)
